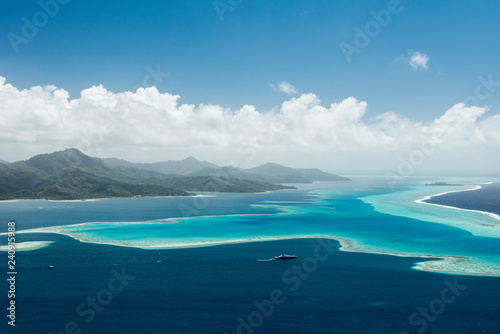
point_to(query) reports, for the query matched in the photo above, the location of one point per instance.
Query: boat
(51, 267)
(284, 256)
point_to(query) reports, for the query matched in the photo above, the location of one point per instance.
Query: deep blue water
(485, 199)
(205, 290)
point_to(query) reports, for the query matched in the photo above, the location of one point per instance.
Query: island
(72, 175)
(443, 184)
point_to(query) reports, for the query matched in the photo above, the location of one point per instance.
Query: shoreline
(193, 195)
(96, 199)
(477, 187)
(86, 199)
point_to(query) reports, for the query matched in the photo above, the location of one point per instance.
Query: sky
(388, 87)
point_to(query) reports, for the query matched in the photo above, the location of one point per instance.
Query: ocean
(485, 199)
(188, 265)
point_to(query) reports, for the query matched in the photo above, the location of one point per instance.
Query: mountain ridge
(181, 167)
(268, 172)
(70, 174)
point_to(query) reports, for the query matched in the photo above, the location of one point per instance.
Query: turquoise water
(189, 288)
(365, 215)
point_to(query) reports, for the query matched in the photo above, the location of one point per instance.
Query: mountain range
(269, 172)
(182, 167)
(70, 174)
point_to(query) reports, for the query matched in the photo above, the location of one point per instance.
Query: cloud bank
(147, 125)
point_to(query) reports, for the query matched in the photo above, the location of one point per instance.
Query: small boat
(284, 256)
(51, 267)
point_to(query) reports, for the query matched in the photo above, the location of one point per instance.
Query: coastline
(97, 199)
(409, 204)
(424, 200)
(192, 195)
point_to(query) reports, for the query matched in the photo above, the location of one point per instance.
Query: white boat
(284, 256)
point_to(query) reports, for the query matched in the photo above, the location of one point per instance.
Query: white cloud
(285, 87)
(418, 61)
(147, 125)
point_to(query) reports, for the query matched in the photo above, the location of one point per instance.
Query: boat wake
(264, 260)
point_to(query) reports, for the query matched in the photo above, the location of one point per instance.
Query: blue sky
(263, 62)
(232, 62)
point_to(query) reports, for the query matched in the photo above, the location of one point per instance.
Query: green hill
(70, 174)
(76, 183)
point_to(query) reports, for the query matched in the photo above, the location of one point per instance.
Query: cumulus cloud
(418, 61)
(148, 125)
(285, 87)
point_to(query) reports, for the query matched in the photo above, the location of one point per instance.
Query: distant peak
(190, 158)
(72, 151)
(272, 164)
(69, 152)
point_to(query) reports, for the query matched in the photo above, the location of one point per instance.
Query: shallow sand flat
(28, 246)
(441, 263)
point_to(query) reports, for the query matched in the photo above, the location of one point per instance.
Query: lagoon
(392, 255)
